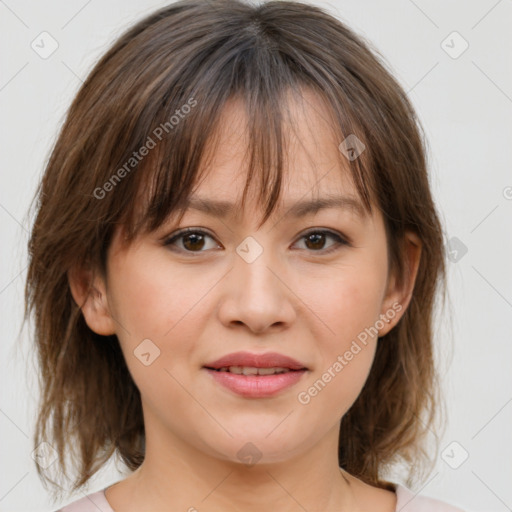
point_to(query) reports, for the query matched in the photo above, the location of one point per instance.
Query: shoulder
(407, 501)
(94, 502)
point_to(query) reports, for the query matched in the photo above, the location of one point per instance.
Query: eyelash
(340, 241)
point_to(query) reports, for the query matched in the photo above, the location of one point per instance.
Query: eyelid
(189, 229)
(345, 239)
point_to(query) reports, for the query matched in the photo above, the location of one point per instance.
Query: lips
(248, 359)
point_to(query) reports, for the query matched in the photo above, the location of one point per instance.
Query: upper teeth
(249, 370)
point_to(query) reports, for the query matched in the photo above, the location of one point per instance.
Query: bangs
(182, 113)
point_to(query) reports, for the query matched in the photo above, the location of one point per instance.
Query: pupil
(316, 237)
(187, 238)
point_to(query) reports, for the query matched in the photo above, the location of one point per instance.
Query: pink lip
(256, 386)
(267, 360)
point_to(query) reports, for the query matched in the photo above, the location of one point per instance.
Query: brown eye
(315, 241)
(192, 240)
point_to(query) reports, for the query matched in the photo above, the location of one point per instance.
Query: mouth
(252, 370)
(255, 385)
(248, 363)
(256, 375)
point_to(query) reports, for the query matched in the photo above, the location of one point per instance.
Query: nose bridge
(256, 296)
(253, 266)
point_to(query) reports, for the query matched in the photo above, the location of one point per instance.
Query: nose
(256, 292)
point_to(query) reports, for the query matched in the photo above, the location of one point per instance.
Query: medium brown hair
(201, 54)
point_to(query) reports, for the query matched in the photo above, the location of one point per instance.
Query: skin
(294, 299)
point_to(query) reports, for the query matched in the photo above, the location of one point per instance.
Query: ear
(89, 292)
(400, 288)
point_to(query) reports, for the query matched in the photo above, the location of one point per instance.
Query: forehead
(313, 165)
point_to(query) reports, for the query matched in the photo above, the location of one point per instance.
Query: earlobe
(89, 293)
(399, 292)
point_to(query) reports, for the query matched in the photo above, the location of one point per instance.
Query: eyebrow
(222, 209)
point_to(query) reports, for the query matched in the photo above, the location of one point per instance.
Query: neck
(177, 476)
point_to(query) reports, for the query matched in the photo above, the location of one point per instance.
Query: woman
(197, 322)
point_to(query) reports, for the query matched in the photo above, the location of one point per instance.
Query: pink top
(407, 501)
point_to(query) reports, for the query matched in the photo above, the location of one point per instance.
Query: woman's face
(287, 288)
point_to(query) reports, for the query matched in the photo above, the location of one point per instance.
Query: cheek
(156, 300)
(345, 348)
(153, 306)
(150, 297)
(346, 301)
(348, 304)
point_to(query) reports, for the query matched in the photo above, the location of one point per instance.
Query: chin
(258, 448)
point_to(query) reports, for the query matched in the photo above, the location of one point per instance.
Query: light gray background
(465, 104)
